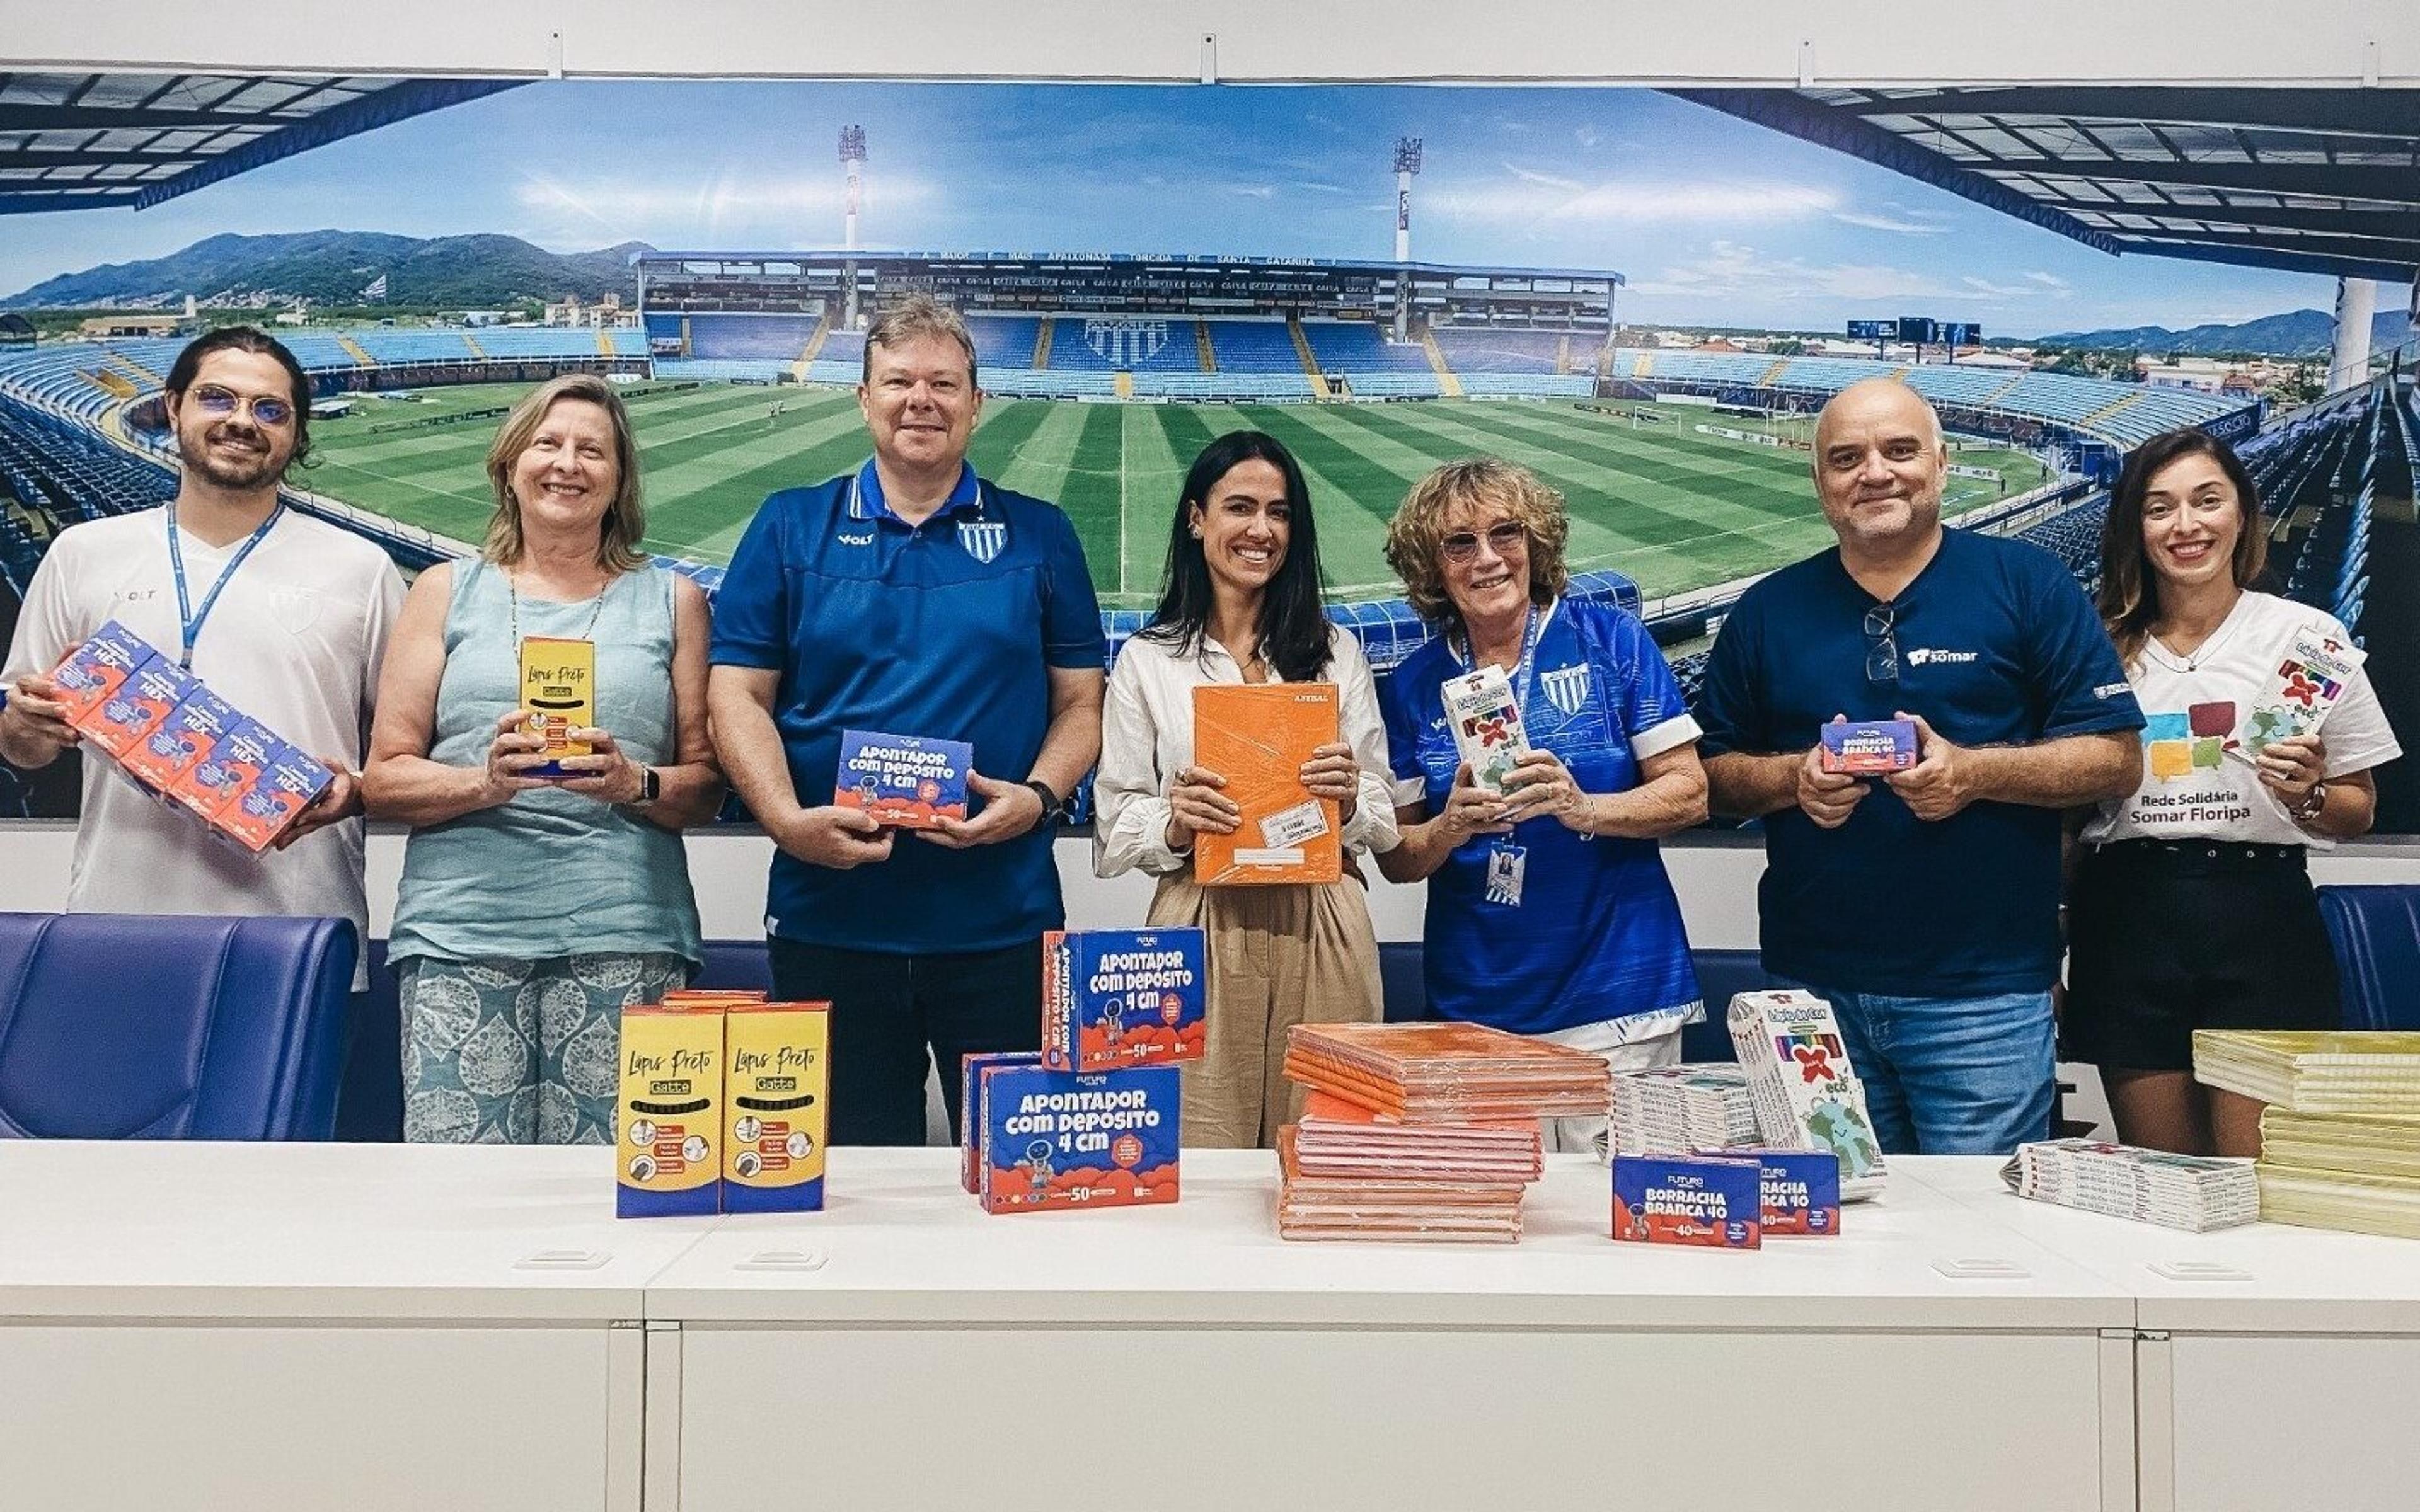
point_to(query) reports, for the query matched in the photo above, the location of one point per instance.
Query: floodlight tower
(1407, 162)
(852, 161)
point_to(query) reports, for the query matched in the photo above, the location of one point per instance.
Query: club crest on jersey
(983, 538)
(1567, 688)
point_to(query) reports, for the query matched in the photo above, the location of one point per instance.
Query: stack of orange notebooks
(1437, 1073)
(1350, 1173)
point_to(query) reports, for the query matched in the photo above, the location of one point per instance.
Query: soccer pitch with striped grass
(1671, 507)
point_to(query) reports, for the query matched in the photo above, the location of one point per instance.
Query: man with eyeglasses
(1924, 907)
(283, 615)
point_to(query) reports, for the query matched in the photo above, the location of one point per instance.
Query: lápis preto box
(904, 781)
(669, 1107)
(1688, 1200)
(1866, 748)
(559, 694)
(776, 1102)
(1258, 737)
(1118, 997)
(1053, 1139)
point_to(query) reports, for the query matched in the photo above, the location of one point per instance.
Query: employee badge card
(1121, 998)
(2307, 681)
(905, 781)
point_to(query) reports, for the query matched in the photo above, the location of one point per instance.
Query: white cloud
(2053, 282)
(1320, 188)
(1253, 191)
(1897, 224)
(1734, 271)
(1529, 196)
(1586, 136)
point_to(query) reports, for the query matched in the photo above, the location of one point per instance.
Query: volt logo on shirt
(2184, 741)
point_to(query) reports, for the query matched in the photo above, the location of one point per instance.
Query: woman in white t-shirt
(2191, 906)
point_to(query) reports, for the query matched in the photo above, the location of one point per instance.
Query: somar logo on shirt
(1934, 656)
(2181, 742)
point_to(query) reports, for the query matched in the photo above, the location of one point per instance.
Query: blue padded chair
(134, 1027)
(2376, 931)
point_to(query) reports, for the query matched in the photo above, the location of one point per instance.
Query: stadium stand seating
(1471, 351)
(1224, 387)
(1528, 385)
(1944, 383)
(1253, 347)
(400, 347)
(770, 338)
(1026, 383)
(545, 343)
(728, 370)
(1004, 340)
(1356, 347)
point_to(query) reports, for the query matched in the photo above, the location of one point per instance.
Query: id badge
(1507, 864)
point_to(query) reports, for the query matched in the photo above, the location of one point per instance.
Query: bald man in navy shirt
(1925, 905)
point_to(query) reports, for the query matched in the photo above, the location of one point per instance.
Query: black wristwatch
(1052, 803)
(651, 787)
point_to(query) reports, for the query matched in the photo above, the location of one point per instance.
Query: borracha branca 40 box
(1055, 1139)
(1688, 1200)
(1118, 997)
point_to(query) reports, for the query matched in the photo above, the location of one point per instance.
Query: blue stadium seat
(2376, 931)
(217, 1029)
(774, 338)
(1470, 350)
(1254, 346)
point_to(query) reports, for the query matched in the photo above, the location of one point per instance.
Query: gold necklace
(586, 631)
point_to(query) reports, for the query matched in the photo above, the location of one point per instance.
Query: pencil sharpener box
(93, 673)
(905, 781)
(1798, 1191)
(1674, 1199)
(256, 814)
(559, 694)
(1055, 1140)
(150, 694)
(971, 1121)
(776, 1105)
(1121, 998)
(1864, 748)
(191, 733)
(669, 1107)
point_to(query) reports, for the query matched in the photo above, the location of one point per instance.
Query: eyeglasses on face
(267, 410)
(1881, 652)
(1503, 537)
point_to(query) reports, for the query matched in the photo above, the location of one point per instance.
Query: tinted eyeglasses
(1882, 643)
(1504, 538)
(267, 410)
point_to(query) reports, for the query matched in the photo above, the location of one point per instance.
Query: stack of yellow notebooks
(2340, 1138)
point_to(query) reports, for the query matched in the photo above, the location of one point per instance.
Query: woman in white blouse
(1241, 604)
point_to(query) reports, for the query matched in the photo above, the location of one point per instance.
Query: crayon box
(1687, 1199)
(1258, 736)
(1867, 746)
(192, 731)
(905, 781)
(150, 694)
(256, 814)
(669, 1109)
(1798, 1191)
(1805, 1092)
(1121, 998)
(92, 674)
(970, 1142)
(1486, 723)
(1054, 1139)
(776, 1102)
(559, 694)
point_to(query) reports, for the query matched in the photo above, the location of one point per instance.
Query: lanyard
(1525, 672)
(189, 621)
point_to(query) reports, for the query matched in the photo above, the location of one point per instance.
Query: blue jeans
(1951, 1075)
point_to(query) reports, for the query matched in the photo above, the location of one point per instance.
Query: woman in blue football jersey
(1549, 912)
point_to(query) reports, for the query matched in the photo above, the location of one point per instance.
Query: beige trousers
(1278, 956)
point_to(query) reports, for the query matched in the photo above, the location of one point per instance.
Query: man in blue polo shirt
(913, 598)
(1925, 907)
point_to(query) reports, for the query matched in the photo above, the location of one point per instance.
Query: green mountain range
(337, 267)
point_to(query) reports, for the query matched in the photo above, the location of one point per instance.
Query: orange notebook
(1257, 736)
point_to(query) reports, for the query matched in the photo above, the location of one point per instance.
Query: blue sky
(1712, 220)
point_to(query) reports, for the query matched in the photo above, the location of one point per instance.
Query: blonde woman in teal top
(531, 909)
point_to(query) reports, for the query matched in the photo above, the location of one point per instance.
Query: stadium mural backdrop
(1639, 297)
